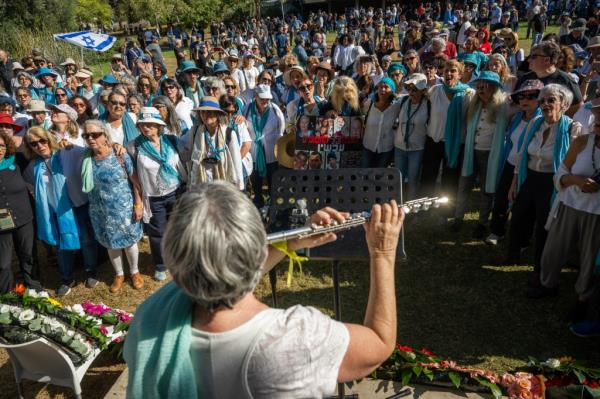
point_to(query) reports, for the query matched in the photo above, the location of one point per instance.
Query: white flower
(70, 333)
(552, 363)
(4, 309)
(32, 293)
(52, 323)
(78, 309)
(27, 315)
(43, 294)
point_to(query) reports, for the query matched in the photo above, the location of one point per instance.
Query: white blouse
(484, 133)
(379, 132)
(417, 129)
(541, 154)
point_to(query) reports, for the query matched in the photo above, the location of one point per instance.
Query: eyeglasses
(23, 95)
(230, 87)
(91, 135)
(412, 89)
(469, 66)
(410, 58)
(290, 65)
(117, 103)
(212, 88)
(6, 126)
(305, 87)
(550, 101)
(60, 95)
(144, 84)
(170, 87)
(157, 106)
(35, 144)
(79, 105)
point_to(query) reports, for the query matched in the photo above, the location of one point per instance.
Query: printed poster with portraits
(328, 143)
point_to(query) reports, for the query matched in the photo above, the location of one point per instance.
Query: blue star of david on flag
(87, 39)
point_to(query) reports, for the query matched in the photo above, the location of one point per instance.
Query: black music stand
(349, 190)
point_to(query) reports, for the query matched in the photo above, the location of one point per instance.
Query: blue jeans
(88, 245)
(161, 208)
(372, 159)
(409, 163)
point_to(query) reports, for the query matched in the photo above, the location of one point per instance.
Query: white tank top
(583, 166)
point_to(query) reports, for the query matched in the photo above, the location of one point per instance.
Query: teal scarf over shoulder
(453, 130)
(495, 157)
(166, 171)
(130, 132)
(190, 94)
(561, 145)
(157, 348)
(258, 125)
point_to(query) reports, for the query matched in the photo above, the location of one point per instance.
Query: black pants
(372, 159)
(500, 211)
(257, 183)
(531, 206)
(23, 240)
(161, 208)
(434, 156)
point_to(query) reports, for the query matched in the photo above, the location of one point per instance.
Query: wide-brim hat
(284, 149)
(150, 115)
(489, 76)
(209, 103)
(84, 73)
(504, 33)
(6, 119)
(220, 67)
(233, 54)
(594, 42)
(579, 24)
(69, 61)
(45, 72)
(66, 109)
(16, 66)
(419, 80)
(5, 99)
(528, 85)
(288, 73)
(263, 92)
(109, 80)
(36, 106)
(326, 66)
(189, 66)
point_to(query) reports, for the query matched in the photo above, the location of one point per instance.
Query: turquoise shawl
(8, 163)
(494, 159)
(56, 227)
(190, 94)
(561, 145)
(130, 131)
(166, 171)
(157, 348)
(516, 120)
(453, 130)
(258, 126)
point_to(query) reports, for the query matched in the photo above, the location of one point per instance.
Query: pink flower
(118, 339)
(124, 316)
(404, 348)
(96, 310)
(426, 352)
(508, 380)
(103, 330)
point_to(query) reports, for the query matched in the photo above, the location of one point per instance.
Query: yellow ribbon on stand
(294, 258)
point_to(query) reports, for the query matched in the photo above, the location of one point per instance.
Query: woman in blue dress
(115, 205)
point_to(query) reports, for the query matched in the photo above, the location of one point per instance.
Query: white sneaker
(493, 239)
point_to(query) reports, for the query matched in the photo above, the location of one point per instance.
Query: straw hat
(150, 115)
(287, 75)
(69, 61)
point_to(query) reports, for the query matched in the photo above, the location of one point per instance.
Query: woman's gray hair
(565, 95)
(215, 245)
(213, 81)
(440, 42)
(98, 125)
(172, 120)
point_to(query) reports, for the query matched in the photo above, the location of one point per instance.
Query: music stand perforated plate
(349, 190)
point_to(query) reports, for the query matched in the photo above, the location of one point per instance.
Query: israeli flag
(87, 39)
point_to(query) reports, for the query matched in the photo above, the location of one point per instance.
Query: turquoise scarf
(166, 171)
(157, 348)
(87, 172)
(508, 144)
(56, 227)
(561, 145)
(494, 158)
(453, 129)
(190, 94)
(212, 150)
(300, 110)
(259, 125)
(130, 131)
(8, 163)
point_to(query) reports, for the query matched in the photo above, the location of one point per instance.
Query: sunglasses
(550, 101)
(144, 84)
(482, 86)
(230, 87)
(79, 105)
(117, 103)
(91, 135)
(6, 126)
(36, 143)
(530, 96)
(169, 87)
(410, 58)
(305, 87)
(212, 88)
(60, 95)
(290, 65)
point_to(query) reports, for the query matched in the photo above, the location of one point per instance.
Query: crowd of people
(446, 93)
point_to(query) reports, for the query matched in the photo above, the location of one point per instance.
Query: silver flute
(355, 219)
